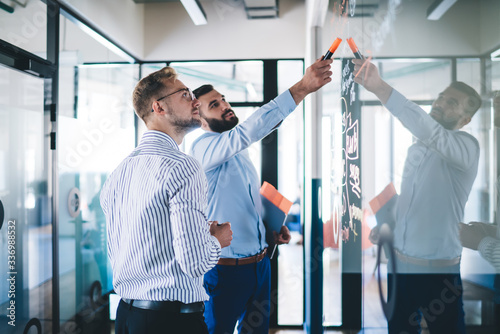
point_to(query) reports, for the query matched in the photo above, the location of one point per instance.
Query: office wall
(122, 20)
(170, 33)
(490, 25)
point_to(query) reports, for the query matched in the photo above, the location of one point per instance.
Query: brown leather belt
(243, 260)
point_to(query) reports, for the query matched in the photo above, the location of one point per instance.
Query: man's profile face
(217, 112)
(182, 110)
(449, 109)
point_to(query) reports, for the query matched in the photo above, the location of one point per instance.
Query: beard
(221, 125)
(447, 122)
(185, 125)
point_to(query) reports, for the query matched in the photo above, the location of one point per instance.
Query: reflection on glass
(416, 79)
(331, 145)
(26, 234)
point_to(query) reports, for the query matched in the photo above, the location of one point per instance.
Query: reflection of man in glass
(239, 286)
(439, 172)
(480, 236)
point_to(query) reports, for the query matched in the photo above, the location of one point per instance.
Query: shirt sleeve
(214, 149)
(489, 248)
(458, 147)
(196, 250)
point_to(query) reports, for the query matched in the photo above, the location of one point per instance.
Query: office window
(241, 81)
(290, 184)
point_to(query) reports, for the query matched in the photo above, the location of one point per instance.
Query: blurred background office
(67, 72)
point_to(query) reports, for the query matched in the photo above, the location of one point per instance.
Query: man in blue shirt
(439, 171)
(239, 285)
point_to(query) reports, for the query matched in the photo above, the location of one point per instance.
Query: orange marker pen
(354, 49)
(332, 49)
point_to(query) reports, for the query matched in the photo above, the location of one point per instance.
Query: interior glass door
(25, 207)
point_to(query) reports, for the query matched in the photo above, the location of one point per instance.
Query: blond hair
(149, 89)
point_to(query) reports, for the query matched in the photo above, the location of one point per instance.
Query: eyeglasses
(188, 95)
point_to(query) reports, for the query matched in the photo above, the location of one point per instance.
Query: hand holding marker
(336, 44)
(332, 49)
(354, 49)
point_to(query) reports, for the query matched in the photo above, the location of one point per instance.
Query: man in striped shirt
(159, 241)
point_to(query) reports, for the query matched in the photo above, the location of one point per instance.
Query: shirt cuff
(216, 242)
(395, 102)
(286, 103)
(485, 244)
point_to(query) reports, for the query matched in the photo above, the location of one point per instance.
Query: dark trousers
(239, 294)
(133, 320)
(436, 297)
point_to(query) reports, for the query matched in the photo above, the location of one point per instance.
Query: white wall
(170, 33)
(122, 20)
(490, 25)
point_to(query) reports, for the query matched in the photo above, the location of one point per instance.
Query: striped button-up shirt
(159, 243)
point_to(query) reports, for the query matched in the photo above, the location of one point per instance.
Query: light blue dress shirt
(438, 175)
(233, 183)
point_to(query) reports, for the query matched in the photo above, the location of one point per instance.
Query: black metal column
(269, 172)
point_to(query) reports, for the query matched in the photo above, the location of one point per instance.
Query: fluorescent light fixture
(194, 10)
(438, 8)
(495, 54)
(98, 37)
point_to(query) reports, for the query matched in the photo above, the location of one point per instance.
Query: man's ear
(157, 108)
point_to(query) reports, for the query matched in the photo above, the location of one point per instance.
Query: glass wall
(290, 184)
(331, 197)
(96, 132)
(384, 147)
(25, 206)
(239, 81)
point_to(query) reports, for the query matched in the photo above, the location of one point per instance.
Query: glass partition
(96, 132)
(25, 206)
(290, 184)
(241, 81)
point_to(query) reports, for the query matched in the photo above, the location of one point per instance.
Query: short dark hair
(474, 99)
(149, 88)
(202, 90)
